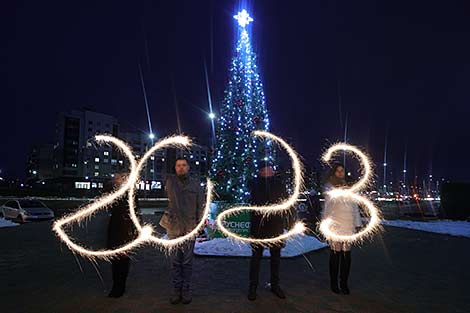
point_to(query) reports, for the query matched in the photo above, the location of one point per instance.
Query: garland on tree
(237, 153)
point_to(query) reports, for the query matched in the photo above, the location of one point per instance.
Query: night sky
(400, 67)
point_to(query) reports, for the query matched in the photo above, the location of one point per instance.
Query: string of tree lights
(237, 153)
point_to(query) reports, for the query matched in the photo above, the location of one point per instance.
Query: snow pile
(453, 228)
(295, 246)
(6, 223)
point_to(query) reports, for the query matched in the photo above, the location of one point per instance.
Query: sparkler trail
(350, 194)
(270, 209)
(144, 232)
(102, 203)
(178, 141)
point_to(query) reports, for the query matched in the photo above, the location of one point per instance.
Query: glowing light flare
(176, 141)
(169, 244)
(327, 225)
(101, 203)
(243, 18)
(363, 159)
(144, 232)
(267, 210)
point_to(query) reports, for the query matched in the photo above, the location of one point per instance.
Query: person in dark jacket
(121, 231)
(185, 209)
(267, 189)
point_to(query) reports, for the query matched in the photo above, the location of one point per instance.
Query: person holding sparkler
(268, 188)
(347, 219)
(121, 230)
(185, 210)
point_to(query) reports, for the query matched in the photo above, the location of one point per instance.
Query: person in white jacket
(346, 220)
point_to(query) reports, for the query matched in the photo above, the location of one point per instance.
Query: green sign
(238, 224)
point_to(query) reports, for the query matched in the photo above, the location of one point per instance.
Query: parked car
(23, 210)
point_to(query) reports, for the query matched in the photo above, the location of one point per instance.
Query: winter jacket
(121, 229)
(185, 205)
(343, 212)
(265, 191)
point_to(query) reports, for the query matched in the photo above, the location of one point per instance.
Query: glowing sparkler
(270, 209)
(181, 141)
(102, 203)
(144, 232)
(350, 194)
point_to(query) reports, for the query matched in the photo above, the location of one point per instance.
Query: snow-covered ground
(226, 247)
(454, 228)
(6, 223)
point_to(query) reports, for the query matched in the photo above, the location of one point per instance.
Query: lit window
(82, 185)
(97, 160)
(156, 185)
(97, 173)
(105, 153)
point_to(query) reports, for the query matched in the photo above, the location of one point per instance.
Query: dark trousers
(120, 269)
(182, 266)
(340, 265)
(257, 254)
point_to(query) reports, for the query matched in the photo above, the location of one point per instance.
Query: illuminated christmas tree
(237, 153)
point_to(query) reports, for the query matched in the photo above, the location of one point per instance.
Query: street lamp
(212, 115)
(152, 136)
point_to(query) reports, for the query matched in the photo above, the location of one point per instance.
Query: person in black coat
(121, 231)
(267, 189)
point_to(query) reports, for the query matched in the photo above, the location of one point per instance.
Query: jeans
(182, 266)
